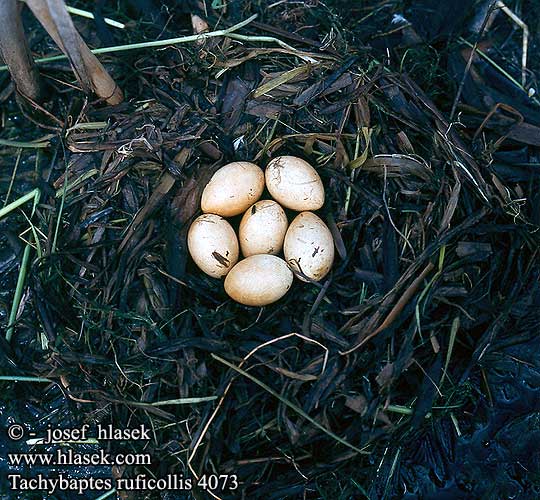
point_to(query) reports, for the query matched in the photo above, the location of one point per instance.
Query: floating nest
(395, 377)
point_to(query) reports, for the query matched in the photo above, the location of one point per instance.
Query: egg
(233, 189)
(213, 245)
(262, 228)
(259, 280)
(309, 246)
(294, 183)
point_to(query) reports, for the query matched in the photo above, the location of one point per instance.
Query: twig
(251, 38)
(90, 73)
(15, 51)
(525, 39)
(471, 57)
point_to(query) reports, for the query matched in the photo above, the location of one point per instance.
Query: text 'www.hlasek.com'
(67, 453)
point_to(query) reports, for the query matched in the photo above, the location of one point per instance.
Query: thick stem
(15, 51)
(91, 74)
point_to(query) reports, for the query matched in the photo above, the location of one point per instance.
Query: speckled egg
(233, 189)
(213, 245)
(309, 247)
(294, 183)
(259, 280)
(262, 228)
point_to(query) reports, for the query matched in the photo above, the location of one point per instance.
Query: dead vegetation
(371, 384)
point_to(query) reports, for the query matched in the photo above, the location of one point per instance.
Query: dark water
(499, 458)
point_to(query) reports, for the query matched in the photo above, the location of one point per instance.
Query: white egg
(309, 247)
(259, 280)
(213, 245)
(294, 183)
(233, 189)
(262, 228)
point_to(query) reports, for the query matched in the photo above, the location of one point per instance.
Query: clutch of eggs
(262, 276)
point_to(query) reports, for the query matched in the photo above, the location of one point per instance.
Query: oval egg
(262, 229)
(294, 183)
(309, 247)
(259, 280)
(233, 189)
(213, 245)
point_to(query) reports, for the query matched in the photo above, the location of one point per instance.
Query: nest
(436, 272)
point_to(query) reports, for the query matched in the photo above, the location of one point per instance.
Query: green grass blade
(453, 334)
(107, 494)
(18, 293)
(18, 144)
(156, 43)
(24, 378)
(18, 202)
(89, 15)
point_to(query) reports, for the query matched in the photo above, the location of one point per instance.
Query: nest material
(437, 272)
